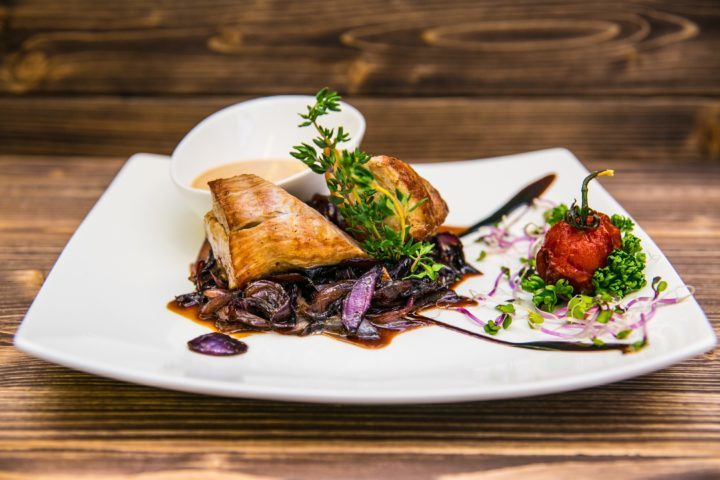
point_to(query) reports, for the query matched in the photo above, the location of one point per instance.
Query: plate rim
(291, 394)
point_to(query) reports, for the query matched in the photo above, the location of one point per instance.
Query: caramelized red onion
(233, 319)
(330, 293)
(267, 298)
(449, 251)
(389, 316)
(217, 298)
(357, 299)
(389, 293)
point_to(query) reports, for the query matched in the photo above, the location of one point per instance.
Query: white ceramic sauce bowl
(259, 129)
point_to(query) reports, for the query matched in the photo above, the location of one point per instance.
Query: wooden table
(633, 86)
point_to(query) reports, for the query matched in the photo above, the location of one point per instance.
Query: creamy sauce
(270, 170)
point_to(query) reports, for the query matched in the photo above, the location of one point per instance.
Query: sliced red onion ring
(470, 315)
(556, 334)
(496, 284)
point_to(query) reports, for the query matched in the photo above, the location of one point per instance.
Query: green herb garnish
(624, 272)
(503, 321)
(528, 262)
(624, 224)
(364, 204)
(546, 297)
(604, 316)
(639, 345)
(658, 285)
(556, 214)
(579, 305)
(491, 328)
(507, 308)
(535, 320)
(623, 334)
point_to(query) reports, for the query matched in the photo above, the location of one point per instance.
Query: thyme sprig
(362, 201)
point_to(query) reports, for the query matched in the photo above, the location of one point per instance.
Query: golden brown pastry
(256, 228)
(393, 173)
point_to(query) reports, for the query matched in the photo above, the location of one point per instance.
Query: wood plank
(658, 129)
(489, 47)
(59, 423)
(240, 464)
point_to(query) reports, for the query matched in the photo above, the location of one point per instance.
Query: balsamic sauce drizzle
(537, 345)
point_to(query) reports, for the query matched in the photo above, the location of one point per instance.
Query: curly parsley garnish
(556, 214)
(546, 297)
(362, 201)
(624, 272)
(624, 224)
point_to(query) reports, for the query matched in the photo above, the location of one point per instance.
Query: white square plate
(103, 307)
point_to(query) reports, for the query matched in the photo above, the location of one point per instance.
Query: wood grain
(59, 423)
(408, 48)
(657, 129)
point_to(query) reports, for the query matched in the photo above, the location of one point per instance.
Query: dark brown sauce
(557, 346)
(464, 277)
(191, 313)
(187, 312)
(386, 336)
